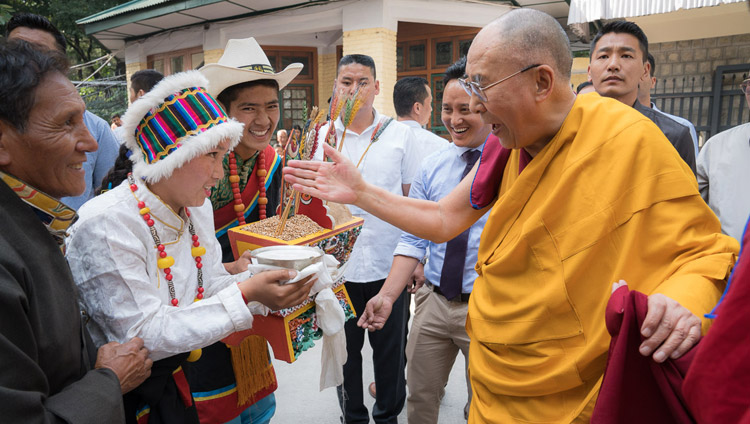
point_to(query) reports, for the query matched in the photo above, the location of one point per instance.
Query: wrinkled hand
(240, 264)
(417, 279)
(670, 329)
(129, 361)
(265, 288)
(338, 181)
(376, 313)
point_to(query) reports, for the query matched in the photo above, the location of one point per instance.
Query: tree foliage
(5, 13)
(82, 49)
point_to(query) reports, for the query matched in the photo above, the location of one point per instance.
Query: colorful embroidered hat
(173, 123)
(243, 61)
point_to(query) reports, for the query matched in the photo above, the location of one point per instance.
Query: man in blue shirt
(438, 331)
(98, 162)
(38, 30)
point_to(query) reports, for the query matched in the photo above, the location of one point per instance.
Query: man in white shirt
(412, 99)
(382, 149)
(724, 174)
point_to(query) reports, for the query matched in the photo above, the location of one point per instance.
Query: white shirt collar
(160, 211)
(461, 150)
(411, 123)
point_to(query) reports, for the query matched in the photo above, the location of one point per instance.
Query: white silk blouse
(113, 258)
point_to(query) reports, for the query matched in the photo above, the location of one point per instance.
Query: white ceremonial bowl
(290, 257)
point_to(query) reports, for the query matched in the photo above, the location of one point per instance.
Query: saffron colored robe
(608, 198)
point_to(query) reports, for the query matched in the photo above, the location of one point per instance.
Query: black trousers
(387, 356)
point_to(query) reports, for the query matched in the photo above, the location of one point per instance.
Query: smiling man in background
(38, 30)
(51, 371)
(438, 330)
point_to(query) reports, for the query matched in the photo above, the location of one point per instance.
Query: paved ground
(298, 399)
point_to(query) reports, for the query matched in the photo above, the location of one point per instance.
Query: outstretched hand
(338, 181)
(376, 313)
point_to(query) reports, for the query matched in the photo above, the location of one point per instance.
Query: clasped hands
(669, 328)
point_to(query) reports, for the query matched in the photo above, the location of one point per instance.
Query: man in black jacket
(51, 372)
(618, 65)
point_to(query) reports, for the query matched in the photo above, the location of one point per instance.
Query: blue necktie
(452, 274)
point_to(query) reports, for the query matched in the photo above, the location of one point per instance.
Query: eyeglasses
(472, 87)
(744, 86)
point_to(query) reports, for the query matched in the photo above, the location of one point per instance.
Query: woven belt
(463, 298)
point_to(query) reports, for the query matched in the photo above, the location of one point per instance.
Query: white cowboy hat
(243, 61)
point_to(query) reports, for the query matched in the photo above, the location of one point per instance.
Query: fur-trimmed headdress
(173, 123)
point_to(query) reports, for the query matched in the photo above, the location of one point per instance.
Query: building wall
(580, 71)
(212, 56)
(697, 58)
(132, 68)
(326, 75)
(689, 67)
(380, 44)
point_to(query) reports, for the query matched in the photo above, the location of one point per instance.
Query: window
(177, 61)
(196, 60)
(299, 96)
(443, 53)
(158, 65)
(417, 56)
(427, 50)
(463, 47)
(436, 123)
(295, 105)
(305, 60)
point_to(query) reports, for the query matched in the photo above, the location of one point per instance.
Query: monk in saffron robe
(584, 192)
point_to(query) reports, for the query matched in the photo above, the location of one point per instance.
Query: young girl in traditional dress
(144, 254)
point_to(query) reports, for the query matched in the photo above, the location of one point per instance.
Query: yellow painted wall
(212, 56)
(132, 68)
(380, 44)
(579, 72)
(326, 75)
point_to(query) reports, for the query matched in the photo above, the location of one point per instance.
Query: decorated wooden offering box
(294, 330)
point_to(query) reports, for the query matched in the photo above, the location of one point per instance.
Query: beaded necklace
(164, 262)
(234, 180)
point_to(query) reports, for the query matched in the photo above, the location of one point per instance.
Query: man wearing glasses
(724, 174)
(585, 191)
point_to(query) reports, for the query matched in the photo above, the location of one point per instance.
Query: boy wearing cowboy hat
(247, 87)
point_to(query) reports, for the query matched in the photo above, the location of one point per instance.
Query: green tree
(82, 49)
(5, 13)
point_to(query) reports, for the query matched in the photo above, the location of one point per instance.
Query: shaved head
(518, 68)
(529, 36)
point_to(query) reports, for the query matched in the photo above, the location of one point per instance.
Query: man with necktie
(438, 331)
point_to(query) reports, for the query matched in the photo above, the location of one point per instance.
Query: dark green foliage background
(103, 101)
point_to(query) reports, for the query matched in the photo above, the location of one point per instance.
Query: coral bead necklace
(234, 180)
(164, 261)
